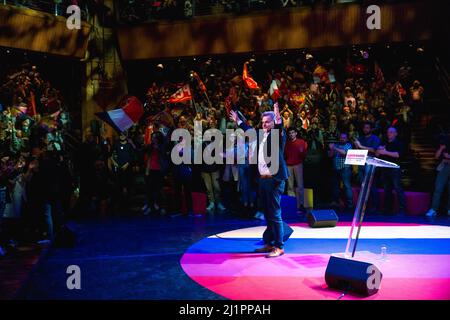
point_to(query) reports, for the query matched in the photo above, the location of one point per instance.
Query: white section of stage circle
(342, 232)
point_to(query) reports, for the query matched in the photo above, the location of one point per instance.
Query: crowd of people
(35, 168)
(327, 108)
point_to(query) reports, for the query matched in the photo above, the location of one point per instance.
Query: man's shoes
(276, 252)
(267, 248)
(259, 215)
(431, 213)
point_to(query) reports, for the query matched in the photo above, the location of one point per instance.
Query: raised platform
(417, 266)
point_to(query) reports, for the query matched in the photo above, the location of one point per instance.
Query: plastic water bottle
(384, 252)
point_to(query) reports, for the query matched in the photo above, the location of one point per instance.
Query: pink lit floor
(417, 264)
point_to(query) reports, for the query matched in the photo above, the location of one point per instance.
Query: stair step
(418, 150)
(428, 164)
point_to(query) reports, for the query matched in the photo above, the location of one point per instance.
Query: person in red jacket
(295, 153)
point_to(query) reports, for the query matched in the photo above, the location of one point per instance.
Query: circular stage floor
(417, 264)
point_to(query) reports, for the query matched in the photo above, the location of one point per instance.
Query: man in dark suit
(271, 178)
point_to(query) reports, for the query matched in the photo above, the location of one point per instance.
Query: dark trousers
(442, 179)
(392, 181)
(183, 185)
(154, 182)
(245, 183)
(270, 191)
(124, 180)
(344, 175)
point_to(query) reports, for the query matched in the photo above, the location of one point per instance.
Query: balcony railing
(56, 7)
(143, 11)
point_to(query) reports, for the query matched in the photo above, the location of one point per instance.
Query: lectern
(347, 273)
(371, 164)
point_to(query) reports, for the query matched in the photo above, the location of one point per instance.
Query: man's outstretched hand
(276, 110)
(234, 116)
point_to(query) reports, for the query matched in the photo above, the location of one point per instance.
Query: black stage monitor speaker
(357, 276)
(322, 218)
(267, 235)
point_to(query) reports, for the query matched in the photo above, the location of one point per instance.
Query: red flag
(249, 82)
(148, 134)
(200, 82)
(183, 94)
(32, 104)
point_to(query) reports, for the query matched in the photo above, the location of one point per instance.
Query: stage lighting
(160, 66)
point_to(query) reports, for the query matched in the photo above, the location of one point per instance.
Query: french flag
(273, 91)
(122, 119)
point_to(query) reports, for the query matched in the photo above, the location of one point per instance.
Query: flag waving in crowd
(183, 94)
(273, 91)
(123, 118)
(201, 85)
(249, 82)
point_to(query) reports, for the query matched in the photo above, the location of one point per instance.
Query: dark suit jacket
(283, 172)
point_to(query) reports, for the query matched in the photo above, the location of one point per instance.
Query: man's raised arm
(235, 117)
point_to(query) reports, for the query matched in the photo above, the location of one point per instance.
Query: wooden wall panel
(38, 31)
(285, 29)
